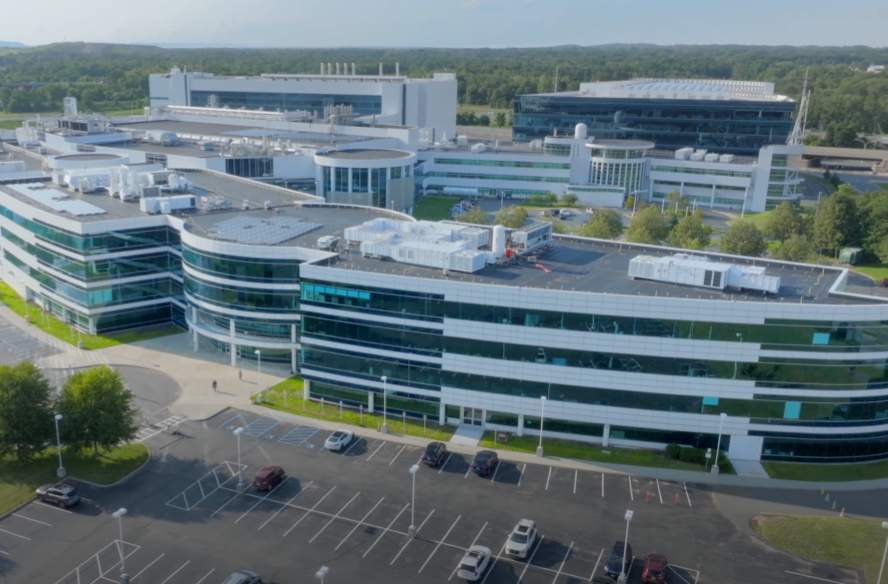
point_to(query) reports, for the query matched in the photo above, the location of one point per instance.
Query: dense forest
(107, 77)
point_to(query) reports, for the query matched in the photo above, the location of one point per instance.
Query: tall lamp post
(721, 422)
(61, 471)
(411, 532)
(624, 572)
(240, 475)
(118, 515)
(885, 553)
(321, 573)
(259, 368)
(385, 427)
(542, 413)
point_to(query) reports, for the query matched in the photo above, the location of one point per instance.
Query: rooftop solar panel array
(262, 230)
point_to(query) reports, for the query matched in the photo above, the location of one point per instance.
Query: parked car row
(620, 558)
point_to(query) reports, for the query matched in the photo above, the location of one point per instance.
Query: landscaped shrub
(673, 450)
(695, 455)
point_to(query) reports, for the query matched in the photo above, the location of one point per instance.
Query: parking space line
(207, 576)
(659, 492)
(300, 434)
(797, 574)
(530, 560)
(449, 454)
(548, 478)
(148, 566)
(598, 561)
(176, 572)
(228, 420)
(686, 493)
(352, 446)
(285, 505)
(418, 529)
(521, 476)
(576, 472)
(4, 553)
(332, 519)
(15, 534)
(493, 565)
(468, 471)
(377, 450)
(496, 470)
(358, 524)
(309, 511)
(34, 520)
(439, 543)
(53, 507)
(233, 497)
(397, 455)
(561, 567)
(602, 484)
(631, 496)
(270, 491)
(477, 537)
(686, 582)
(385, 530)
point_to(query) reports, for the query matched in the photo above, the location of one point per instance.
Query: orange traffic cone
(648, 498)
(676, 498)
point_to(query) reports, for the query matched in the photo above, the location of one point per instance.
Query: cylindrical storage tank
(86, 160)
(499, 241)
(581, 131)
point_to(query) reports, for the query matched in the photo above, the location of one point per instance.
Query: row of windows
(250, 167)
(255, 327)
(618, 154)
(773, 335)
(100, 243)
(544, 179)
(687, 185)
(243, 298)
(770, 372)
(712, 172)
(153, 315)
(361, 180)
(90, 271)
(235, 268)
(372, 368)
(312, 102)
(830, 449)
(502, 163)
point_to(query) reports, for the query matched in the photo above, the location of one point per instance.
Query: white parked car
(522, 539)
(474, 563)
(339, 439)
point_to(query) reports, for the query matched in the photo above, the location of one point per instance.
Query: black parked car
(485, 461)
(619, 559)
(61, 494)
(434, 453)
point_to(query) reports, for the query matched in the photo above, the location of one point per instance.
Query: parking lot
(352, 511)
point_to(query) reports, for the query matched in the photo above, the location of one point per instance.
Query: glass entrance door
(473, 416)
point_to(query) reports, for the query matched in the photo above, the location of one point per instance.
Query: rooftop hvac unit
(479, 148)
(165, 207)
(683, 153)
(150, 205)
(711, 158)
(726, 158)
(328, 242)
(689, 270)
(462, 141)
(148, 192)
(697, 156)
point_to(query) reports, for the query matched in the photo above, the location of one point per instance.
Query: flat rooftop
(585, 265)
(188, 129)
(366, 154)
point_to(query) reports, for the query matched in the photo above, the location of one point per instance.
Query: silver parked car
(474, 563)
(61, 494)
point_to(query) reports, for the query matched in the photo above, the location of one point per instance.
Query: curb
(122, 480)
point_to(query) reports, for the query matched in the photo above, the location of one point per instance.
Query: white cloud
(471, 4)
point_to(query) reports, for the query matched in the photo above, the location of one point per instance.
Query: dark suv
(434, 453)
(61, 494)
(485, 461)
(619, 560)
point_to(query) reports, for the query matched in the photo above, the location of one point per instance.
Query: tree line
(116, 75)
(95, 408)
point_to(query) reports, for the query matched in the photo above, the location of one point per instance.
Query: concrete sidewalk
(195, 372)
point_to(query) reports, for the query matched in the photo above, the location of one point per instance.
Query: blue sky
(448, 23)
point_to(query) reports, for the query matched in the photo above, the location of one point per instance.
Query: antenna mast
(798, 130)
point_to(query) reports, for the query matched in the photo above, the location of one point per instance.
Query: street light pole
(259, 368)
(61, 471)
(411, 532)
(626, 560)
(542, 415)
(240, 476)
(885, 553)
(321, 573)
(721, 421)
(118, 515)
(385, 427)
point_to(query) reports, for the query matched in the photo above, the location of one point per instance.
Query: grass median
(581, 451)
(52, 326)
(19, 479)
(330, 411)
(842, 540)
(434, 207)
(827, 472)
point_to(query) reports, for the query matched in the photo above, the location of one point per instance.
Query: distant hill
(12, 45)
(96, 48)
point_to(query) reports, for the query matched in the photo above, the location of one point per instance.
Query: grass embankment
(19, 479)
(827, 472)
(874, 270)
(51, 325)
(581, 451)
(330, 412)
(882, 186)
(852, 542)
(9, 124)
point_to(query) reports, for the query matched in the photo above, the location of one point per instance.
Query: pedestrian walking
(240, 375)
(214, 385)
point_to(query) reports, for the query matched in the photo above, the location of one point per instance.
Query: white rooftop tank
(581, 131)
(499, 241)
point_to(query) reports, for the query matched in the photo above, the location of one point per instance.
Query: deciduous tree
(512, 217)
(474, 215)
(25, 410)
(797, 248)
(98, 410)
(785, 222)
(603, 224)
(690, 233)
(837, 223)
(648, 226)
(743, 238)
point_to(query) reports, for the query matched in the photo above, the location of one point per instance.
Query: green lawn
(347, 417)
(874, 270)
(828, 186)
(580, 451)
(9, 124)
(435, 207)
(19, 479)
(827, 472)
(481, 109)
(883, 186)
(62, 331)
(757, 219)
(852, 542)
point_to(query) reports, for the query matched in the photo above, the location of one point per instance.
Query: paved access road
(351, 511)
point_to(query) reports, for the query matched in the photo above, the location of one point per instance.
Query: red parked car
(654, 569)
(268, 478)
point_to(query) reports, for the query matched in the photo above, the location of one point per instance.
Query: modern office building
(726, 116)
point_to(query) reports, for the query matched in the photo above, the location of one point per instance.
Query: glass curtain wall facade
(363, 105)
(731, 127)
